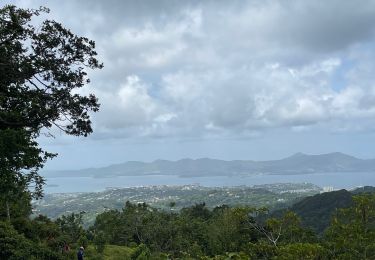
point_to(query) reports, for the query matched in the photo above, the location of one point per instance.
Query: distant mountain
(296, 164)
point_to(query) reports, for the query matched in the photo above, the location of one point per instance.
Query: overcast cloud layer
(227, 69)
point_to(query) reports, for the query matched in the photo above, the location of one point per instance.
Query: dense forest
(139, 231)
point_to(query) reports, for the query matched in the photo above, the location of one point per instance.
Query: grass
(111, 252)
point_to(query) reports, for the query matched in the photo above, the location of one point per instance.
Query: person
(80, 253)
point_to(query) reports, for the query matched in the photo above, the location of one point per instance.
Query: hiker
(80, 253)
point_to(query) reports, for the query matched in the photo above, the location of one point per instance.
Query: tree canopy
(41, 68)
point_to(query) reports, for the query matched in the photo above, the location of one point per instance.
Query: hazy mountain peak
(340, 154)
(185, 160)
(327, 155)
(299, 154)
(161, 161)
(298, 163)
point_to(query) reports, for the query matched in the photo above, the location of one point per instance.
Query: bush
(99, 242)
(141, 253)
(16, 246)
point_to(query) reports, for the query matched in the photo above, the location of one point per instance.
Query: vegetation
(316, 211)
(241, 232)
(40, 68)
(139, 231)
(172, 198)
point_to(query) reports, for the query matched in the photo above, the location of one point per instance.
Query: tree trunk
(8, 210)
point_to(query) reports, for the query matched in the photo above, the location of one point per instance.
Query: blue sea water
(338, 180)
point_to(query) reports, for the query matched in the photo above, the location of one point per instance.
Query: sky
(222, 79)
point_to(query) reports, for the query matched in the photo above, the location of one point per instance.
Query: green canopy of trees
(40, 68)
(240, 233)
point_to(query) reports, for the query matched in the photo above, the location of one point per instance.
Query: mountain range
(298, 163)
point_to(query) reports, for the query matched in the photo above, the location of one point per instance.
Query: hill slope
(316, 211)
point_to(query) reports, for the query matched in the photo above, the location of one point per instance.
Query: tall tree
(352, 231)
(41, 67)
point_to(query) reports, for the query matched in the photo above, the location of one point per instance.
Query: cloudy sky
(223, 79)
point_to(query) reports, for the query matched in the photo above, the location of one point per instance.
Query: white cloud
(195, 69)
(131, 105)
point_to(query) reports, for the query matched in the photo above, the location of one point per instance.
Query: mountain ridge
(298, 163)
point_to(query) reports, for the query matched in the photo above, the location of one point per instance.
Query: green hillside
(316, 211)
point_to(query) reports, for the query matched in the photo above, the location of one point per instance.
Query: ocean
(337, 180)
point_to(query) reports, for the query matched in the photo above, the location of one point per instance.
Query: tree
(286, 229)
(301, 251)
(352, 231)
(15, 246)
(41, 67)
(71, 226)
(99, 242)
(228, 230)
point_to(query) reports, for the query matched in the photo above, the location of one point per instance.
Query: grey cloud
(200, 68)
(325, 25)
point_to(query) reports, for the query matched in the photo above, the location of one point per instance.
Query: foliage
(71, 227)
(196, 231)
(99, 242)
(15, 246)
(352, 232)
(241, 232)
(305, 251)
(141, 253)
(139, 231)
(41, 66)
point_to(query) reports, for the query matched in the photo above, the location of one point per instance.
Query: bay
(337, 180)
